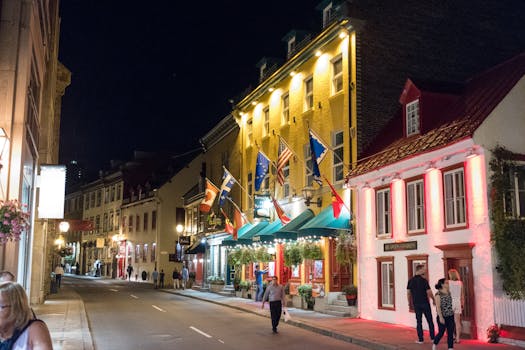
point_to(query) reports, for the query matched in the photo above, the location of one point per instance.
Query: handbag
(286, 315)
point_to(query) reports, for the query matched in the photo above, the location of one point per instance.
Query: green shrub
(292, 255)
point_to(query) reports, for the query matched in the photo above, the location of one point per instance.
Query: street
(130, 315)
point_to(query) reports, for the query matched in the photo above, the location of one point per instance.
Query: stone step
(340, 302)
(338, 313)
(227, 293)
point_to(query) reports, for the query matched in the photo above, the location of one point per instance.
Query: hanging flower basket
(13, 221)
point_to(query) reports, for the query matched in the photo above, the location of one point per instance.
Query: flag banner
(280, 212)
(209, 197)
(318, 151)
(337, 201)
(226, 187)
(261, 169)
(228, 227)
(282, 159)
(237, 220)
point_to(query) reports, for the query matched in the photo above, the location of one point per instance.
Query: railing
(509, 312)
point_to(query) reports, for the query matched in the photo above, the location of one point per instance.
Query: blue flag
(318, 151)
(227, 184)
(261, 169)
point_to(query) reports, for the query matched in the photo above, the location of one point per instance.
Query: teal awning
(246, 239)
(268, 231)
(325, 225)
(229, 241)
(289, 231)
(198, 247)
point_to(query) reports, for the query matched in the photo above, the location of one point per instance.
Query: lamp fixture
(471, 153)
(396, 177)
(292, 73)
(366, 185)
(271, 89)
(308, 196)
(430, 166)
(318, 53)
(254, 103)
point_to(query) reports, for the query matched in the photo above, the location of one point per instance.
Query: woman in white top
(18, 329)
(458, 299)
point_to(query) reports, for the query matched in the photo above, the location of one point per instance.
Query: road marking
(113, 290)
(200, 332)
(134, 296)
(220, 341)
(158, 308)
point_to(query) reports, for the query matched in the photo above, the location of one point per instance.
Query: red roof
(452, 123)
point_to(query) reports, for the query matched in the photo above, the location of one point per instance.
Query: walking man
(176, 279)
(59, 271)
(185, 276)
(161, 279)
(155, 276)
(418, 293)
(275, 295)
(129, 271)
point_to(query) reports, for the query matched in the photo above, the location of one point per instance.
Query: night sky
(158, 77)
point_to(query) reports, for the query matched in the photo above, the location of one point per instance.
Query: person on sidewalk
(176, 279)
(458, 299)
(59, 272)
(259, 282)
(445, 314)
(161, 279)
(129, 270)
(155, 276)
(185, 276)
(275, 295)
(18, 328)
(418, 293)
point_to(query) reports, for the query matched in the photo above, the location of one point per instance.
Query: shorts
(456, 306)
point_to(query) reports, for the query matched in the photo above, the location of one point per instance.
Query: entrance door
(459, 257)
(340, 275)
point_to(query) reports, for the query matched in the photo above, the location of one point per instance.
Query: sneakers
(419, 342)
(434, 347)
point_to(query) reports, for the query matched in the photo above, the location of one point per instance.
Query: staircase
(228, 291)
(339, 307)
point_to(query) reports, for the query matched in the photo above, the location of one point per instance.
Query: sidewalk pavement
(65, 315)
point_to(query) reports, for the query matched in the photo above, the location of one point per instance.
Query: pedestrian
(275, 295)
(59, 271)
(458, 300)
(445, 314)
(155, 276)
(161, 278)
(176, 279)
(418, 293)
(185, 276)
(17, 324)
(77, 271)
(259, 282)
(129, 270)
(6, 276)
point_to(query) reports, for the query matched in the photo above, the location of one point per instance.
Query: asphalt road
(132, 315)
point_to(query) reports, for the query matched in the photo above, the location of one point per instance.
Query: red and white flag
(209, 197)
(280, 212)
(337, 201)
(284, 155)
(237, 221)
(228, 227)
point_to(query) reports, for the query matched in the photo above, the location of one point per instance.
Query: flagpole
(238, 183)
(295, 154)
(331, 150)
(240, 211)
(332, 187)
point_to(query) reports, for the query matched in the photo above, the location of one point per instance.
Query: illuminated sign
(261, 206)
(52, 191)
(393, 247)
(185, 240)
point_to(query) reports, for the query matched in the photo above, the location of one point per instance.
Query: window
(337, 75)
(266, 126)
(154, 220)
(153, 251)
(145, 253)
(97, 223)
(117, 219)
(383, 212)
(106, 195)
(285, 109)
(99, 198)
(455, 209)
(291, 45)
(112, 195)
(514, 195)
(86, 201)
(249, 132)
(137, 253)
(386, 283)
(105, 222)
(111, 221)
(286, 185)
(309, 175)
(337, 147)
(130, 223)
(250, 184)
(92, 201)
(137, 223)
(119, 189)
(327, 14)
(124, 223)
(415, 206)
(412, 112)
(308, 94)
(145, 222)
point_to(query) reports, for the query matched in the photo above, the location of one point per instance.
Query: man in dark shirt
(418, 293)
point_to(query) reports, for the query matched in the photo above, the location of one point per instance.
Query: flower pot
(351, 299)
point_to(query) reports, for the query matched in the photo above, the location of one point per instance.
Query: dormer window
(291, 45)
(262, 71)
(412, 118)
(327, 15)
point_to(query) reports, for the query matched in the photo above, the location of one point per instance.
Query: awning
(268, 231)
(325, 225)
(289, 231)
(198, 247)
(229, 241)
(246, 239)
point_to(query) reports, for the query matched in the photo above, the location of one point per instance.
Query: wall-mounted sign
(185, 240)
(393, 247)
(261, 206)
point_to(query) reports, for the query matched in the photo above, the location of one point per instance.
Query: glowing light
(434, 201)
(63, 226)
(476, 178)
(254, 103)
(398, 209)
(179, 228)
(343, 34)
(318, 53)
(293, 73)
(271, 89)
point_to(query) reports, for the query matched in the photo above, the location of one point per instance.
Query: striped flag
(284, 155)
(280, 212)
(209, 197)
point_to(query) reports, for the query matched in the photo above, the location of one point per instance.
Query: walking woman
(458, 299)
(445, 313)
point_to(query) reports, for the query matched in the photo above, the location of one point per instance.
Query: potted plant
(245, 287)
(292, 255)
(311, 251)
(305, 291)
(493, 333)
(350, 291)
(216, 283)
(345, 250)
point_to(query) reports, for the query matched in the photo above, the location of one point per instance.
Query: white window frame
(337, 76)
(308, 170)
(383, 212)
(285, 109)
(415, 197)
(412, 117)
(454, 198)
(309, 93)
(266, 121)
(338, 168)
(387, 284)
(514, 196)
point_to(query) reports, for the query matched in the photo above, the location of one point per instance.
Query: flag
(280, 212)
(318, 151)
(209, 197)
(226, 186)
(228, 227)
(237, 221)
(261, 169)
(284, 155)
(337, 201)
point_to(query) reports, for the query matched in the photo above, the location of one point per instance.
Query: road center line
(113, 290)
(200, 332)
(133, 296)
(158, 308)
